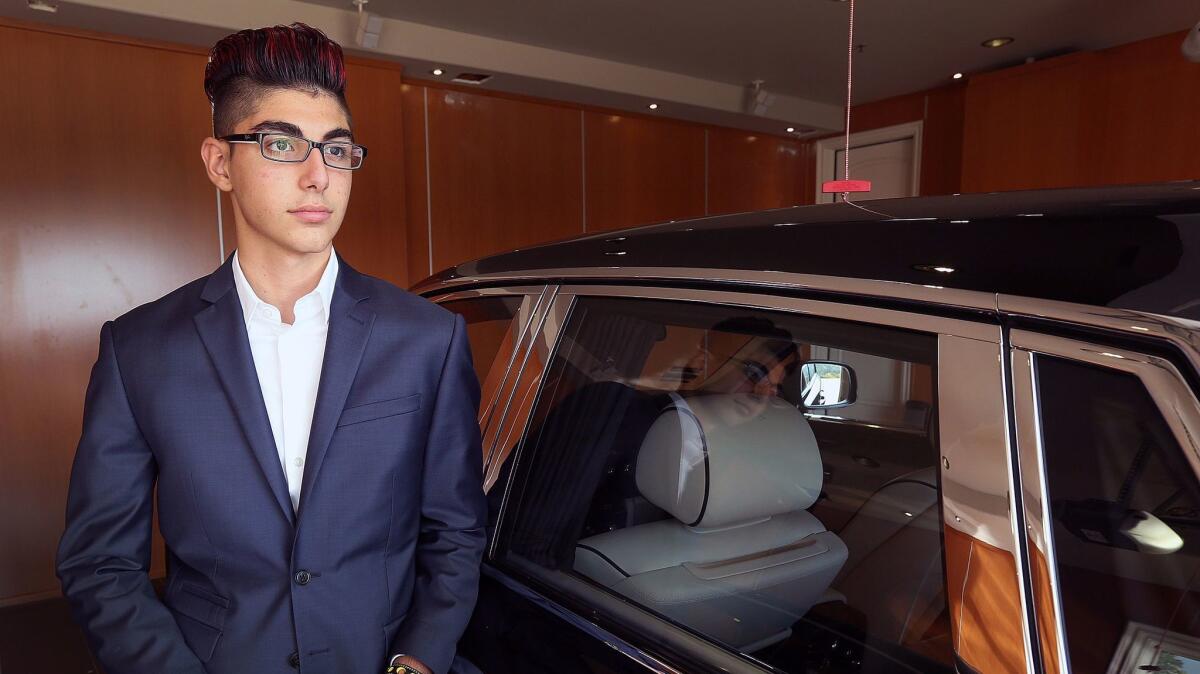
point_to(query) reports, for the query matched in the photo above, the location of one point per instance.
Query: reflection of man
(759, 367)
(311, 430)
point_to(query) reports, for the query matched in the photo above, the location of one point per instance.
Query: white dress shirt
(288, 361)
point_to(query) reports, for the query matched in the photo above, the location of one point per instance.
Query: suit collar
(222, 329)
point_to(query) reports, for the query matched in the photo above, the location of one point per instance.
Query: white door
(889, 158)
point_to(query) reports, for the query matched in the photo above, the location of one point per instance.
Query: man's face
(295, 207)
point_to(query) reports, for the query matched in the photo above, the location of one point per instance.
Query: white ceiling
(799, 46)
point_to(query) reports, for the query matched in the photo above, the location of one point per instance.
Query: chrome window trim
(741, 297)
(532, 299)
(896, 290)
(1162, 380)
(547, 334)
(1034, 492)
(1181, 332)
(536, 321)
(977, 458)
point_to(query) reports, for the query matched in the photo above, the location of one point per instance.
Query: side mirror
(825, 384)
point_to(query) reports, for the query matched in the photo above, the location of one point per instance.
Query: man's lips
(312, 213)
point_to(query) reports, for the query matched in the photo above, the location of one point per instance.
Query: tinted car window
(711, 465)
(1126, 510)
(489, 320)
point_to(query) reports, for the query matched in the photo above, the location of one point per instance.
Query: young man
(311, 429)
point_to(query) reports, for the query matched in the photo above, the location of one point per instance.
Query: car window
(716, 466)
(1126, 510)
(489, 328)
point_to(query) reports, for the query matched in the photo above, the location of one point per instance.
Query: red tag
(839, 186)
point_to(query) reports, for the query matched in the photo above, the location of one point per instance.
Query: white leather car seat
(740, 560)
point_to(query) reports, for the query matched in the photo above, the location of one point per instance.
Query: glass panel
(489, 327)
(1126, 513)
(671, 460)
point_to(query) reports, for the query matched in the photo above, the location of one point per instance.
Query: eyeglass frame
(256, 139)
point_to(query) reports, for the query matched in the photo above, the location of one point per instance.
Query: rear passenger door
(1109, 436)
(667, 489)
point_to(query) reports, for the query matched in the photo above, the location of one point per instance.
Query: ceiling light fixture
(40, 6)
(653, 106)
(791, 129)
(437, 72)
(994, 42)
(958, 76)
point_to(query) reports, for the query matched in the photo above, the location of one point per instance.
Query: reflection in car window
(488, 326)
(1126, 511)
(672, 460)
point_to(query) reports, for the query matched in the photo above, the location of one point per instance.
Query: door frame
(827, 153)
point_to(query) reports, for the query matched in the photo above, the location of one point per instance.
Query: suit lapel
(223, 331)
(350, 321)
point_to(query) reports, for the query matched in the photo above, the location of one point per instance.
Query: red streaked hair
(245, 65)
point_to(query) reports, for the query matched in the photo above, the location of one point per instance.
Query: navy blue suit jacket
(382, 555)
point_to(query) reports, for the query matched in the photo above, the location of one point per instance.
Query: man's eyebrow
(339, 133)
(276, 126)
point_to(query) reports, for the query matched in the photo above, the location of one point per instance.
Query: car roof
(1130, 247)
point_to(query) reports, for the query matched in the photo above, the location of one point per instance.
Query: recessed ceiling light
(958, 76)
(40, 6)
(992, 43)
(653, 106)
(437, 72)
(791, 129)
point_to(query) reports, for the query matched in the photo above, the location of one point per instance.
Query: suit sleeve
(453, 513)
(104, 554)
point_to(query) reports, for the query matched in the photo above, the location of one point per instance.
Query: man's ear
(215, 155)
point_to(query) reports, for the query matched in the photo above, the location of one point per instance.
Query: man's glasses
(293, 149)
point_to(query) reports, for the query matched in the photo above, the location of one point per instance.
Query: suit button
(294, 661)
(302, 577)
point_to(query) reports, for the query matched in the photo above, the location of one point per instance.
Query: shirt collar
(251, 302)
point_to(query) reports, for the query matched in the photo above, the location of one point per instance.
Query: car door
(1108, 427)
(666, 501)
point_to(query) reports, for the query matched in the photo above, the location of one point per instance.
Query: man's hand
(411, 662)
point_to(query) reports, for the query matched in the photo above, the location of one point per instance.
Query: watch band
(400, 669)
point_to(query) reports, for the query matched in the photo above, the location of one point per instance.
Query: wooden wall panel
(749, 171)
(412, 103)
(1026, 127)
(503, 174)
(374, 235)
(641, 170)
(942, 141)
(108, 208)
(1147, 118)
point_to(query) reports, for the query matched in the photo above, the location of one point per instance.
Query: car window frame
(1168, 388)
(979, 336)
(534, 300)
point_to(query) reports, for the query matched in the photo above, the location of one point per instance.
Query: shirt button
(302, 577)
(294, 660)
(299, 461)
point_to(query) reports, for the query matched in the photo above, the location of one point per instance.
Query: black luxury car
(920, 435)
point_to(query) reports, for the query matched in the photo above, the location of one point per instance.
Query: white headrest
(724, 459)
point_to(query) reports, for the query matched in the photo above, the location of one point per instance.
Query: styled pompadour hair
(248, 64)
